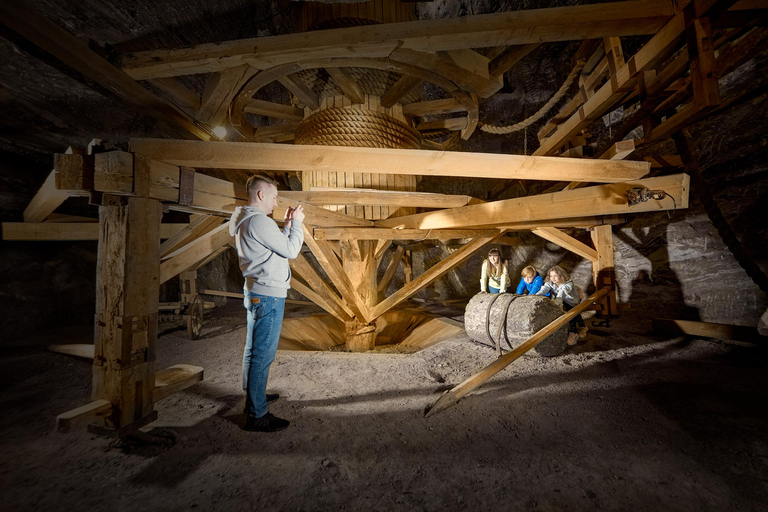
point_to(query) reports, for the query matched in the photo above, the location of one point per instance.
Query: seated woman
(566, 293)
(494, 276)
(530, 282)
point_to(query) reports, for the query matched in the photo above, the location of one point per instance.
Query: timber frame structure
(358, 200)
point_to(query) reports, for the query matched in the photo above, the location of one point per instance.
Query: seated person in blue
(494, 276)
(530, 282)
(568, 295)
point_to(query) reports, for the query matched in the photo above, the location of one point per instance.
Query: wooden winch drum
(525, 315)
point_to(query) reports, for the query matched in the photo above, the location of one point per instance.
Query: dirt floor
(628, 420)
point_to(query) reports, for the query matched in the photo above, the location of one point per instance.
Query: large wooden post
(603, 270)
(127, 293)
(359, 262)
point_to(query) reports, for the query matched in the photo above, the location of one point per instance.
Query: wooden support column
(359, 262)
(127, 289)
(603, 270)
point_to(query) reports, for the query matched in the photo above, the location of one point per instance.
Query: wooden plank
(329, 261)
(82, 415)
(347, 84)
(332, 196)
(467, 59)
(389, 274)
(299, 89)
(454, 124)
(620, 150)
(433, 273)
(744, 333)
(664, 161)
(509, 57)
(399, 234)
(557, 237)
(193, 252)
(275, 132)
(75, 53)
(303, 268)
(69, 231)
(314, 297)
(45, 201)
(433, 108)
(273, 157)
(599, 200)
(403, 86)
(453, 396)
(603, 268)
(277, 110)
(74, 171)
(82, 350)
(196, 228)
(220, 91)
(174, 379)
(505, 28)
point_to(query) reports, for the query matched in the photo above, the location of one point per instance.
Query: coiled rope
(501, 130)
(347, 126)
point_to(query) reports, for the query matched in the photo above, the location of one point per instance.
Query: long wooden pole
(452, 397)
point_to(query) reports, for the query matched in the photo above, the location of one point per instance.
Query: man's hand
(288, 217)
(297, 213)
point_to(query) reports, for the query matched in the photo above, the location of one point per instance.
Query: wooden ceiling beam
(276, 110)
(400, 234)
(509, 57)
(453, 124)
(75, 53)
(557, 237)
(275, 157)
(347, 84)
(589, 201)
(220, 91)
(433, 108)
(371, 197)
(299, 89)
(403, 86)
(485, 30)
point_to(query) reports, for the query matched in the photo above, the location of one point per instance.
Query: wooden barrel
(525, 315)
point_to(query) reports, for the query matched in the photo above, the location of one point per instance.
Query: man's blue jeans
(265, 318)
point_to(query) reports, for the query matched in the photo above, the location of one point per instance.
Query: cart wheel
(195, 317)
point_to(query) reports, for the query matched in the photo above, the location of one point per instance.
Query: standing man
(264, 252)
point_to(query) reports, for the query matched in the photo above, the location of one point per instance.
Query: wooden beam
(347, 84)
(70, 231)
(174, 379)
(404, 85)
(509, 57)
(45, 201)
(275, 132)
(197, 227)
(452, 397)
(75, 53)
(506, 28)
(664, 161)
(433, 108)
(303, 269)
(620, 150)
(220, 91)
(557, 237)
(400, 234)
(312, 296)
(193, 252)
(274, 157)
(370, 197)
(299, 89)
(389, 274)
(332, 266)
(83, 415)
(433, 273)
(453, 124)
(744, 333)
(600, 200)
(277, 110)
(603, 268)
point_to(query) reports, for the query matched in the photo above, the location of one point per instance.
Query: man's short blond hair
(258, 182)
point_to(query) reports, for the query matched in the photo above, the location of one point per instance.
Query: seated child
(566, 293)
(530, 282)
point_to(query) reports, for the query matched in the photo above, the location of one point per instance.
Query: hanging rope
(541, 112)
